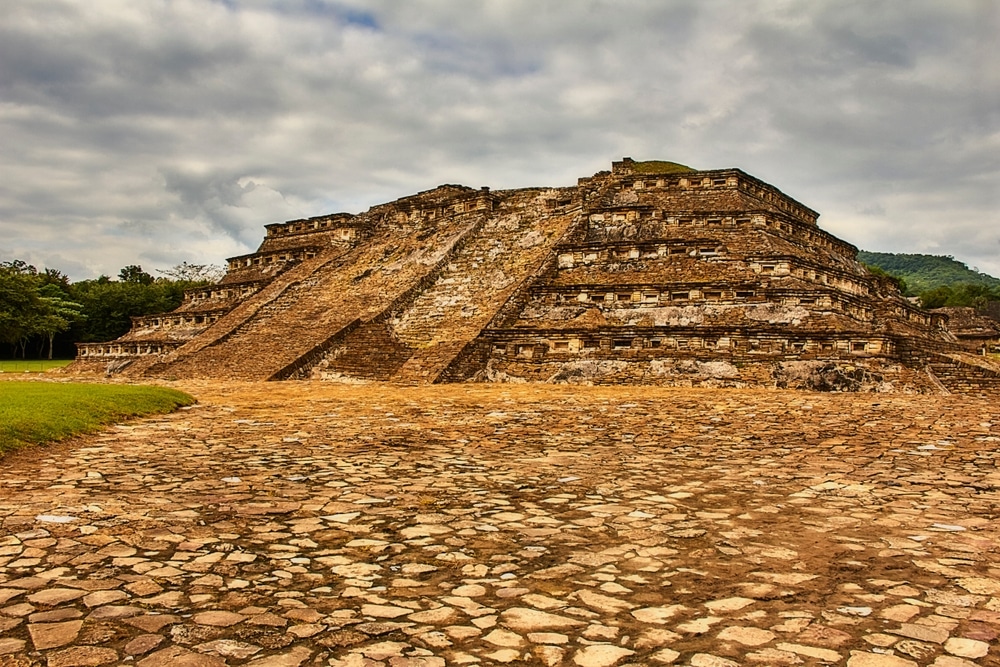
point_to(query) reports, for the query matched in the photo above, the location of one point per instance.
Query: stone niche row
(728, 180)
(479, 203)
(259, 259)
(780, 267)
(613, 345)
(764, 267)
(224, 292)
(660, 221)
(652, 296)
(626, 297)
(117, 349)
(178, 320)
(339, 224)
(568, 258)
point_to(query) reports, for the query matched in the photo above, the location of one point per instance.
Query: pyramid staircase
(418, 341)
(188, 357)
(315, 305)
(963, 373)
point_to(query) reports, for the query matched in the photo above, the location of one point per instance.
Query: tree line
(923, 273)
(938, 280)
(42, 313)
(959, 294)
(964, 294)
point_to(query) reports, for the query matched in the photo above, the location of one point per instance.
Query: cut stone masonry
(651, 273)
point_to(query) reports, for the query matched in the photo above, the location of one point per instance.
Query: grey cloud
(198, 121)
(224, 201)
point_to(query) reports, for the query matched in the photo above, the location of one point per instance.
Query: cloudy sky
(163, 131)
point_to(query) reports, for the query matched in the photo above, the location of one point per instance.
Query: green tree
(46, 310)
(133, 273)
(20, 303)
(34, 305)
(927, 272)
(57, 313)
(939, 297)
(109, 305)
(968, 295)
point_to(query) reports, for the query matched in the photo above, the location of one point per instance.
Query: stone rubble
(295, 524)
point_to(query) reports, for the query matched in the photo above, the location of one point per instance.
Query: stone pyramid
(652, 273)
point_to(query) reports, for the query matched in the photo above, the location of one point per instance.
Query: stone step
(964, 377)
(427, 364)
(458, 305)
(371, 353)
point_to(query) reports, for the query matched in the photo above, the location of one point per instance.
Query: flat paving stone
(82, 656)
(10, 645)
(368, 525)
(51, 635)
(177, 656)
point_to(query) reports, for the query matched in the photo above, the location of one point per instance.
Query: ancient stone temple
(651, 273)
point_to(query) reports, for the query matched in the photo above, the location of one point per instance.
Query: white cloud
(169, 131)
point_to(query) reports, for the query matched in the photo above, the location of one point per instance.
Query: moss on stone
(660, 167)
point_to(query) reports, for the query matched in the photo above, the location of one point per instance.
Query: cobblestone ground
(296, 524)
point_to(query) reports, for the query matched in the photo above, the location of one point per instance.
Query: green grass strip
(32, 413)
(31, 365)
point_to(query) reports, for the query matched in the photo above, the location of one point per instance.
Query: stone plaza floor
(287, 524)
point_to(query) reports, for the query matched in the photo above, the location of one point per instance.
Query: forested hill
(927, 272)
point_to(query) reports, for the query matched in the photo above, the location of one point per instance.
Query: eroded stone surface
(966, 648)
(379, 526)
